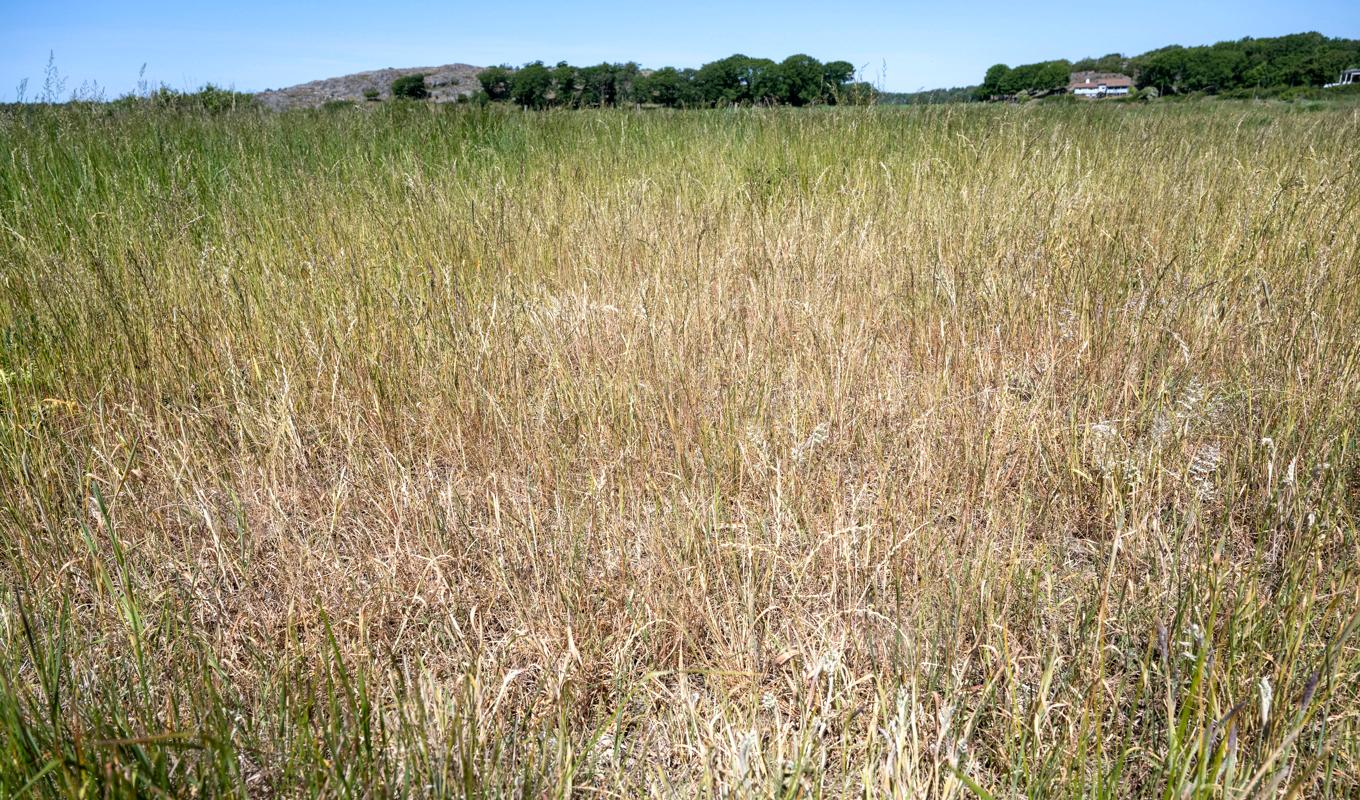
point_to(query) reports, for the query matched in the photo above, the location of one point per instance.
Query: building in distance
(1099, 84)
(1350, 77)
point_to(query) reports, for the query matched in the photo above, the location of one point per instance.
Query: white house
(1099, 84)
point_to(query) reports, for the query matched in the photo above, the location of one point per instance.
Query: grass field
(938, 452)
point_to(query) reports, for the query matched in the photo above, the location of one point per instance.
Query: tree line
(1300, 59)
(799, 80)
(927, 97)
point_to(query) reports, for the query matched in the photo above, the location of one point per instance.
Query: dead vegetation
(942, 452)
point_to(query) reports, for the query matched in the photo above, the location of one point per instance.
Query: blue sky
(255, 44)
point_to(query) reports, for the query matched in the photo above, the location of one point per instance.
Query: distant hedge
(210, 98)
(798, 80)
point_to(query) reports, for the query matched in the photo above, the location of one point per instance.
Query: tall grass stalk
(939, 452)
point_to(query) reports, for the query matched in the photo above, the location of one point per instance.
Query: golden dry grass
(942, 452)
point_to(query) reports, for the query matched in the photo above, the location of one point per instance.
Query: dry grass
(929, 453)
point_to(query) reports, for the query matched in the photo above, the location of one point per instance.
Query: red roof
(1089, 79)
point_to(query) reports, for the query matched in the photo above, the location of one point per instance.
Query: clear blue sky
(257, 44)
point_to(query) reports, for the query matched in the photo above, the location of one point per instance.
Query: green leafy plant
(410, 87)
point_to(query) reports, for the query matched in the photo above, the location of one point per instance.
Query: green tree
(857, 93)
(723, 82)
(837, 77)
(564, 84)
(738, 79)
(1052, 75)
(495, 82)
(838, 73)
(625, 82)
(1296, 60)
(410, 87)
(1113, 62)
(530, 85)
(667, 86)
(801, 81)
(597, 86)
(993, 83)
(1163, 68)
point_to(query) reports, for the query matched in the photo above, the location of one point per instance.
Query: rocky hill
(446, 84)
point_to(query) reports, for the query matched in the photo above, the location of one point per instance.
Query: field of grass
(935, 452)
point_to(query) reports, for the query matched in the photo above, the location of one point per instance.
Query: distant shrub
(1292, 94)
(857, 93)
(410, 87)
(210, 98)
(372, 95)
(336, 105)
